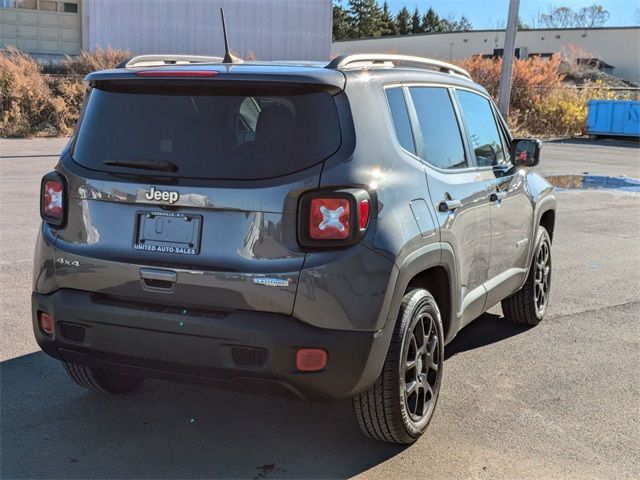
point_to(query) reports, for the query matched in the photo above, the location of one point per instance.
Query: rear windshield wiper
(159, 165)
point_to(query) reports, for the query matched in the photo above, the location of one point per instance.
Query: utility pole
(507, 58)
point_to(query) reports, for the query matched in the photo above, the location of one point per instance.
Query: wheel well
(436, 281)
(548, 221)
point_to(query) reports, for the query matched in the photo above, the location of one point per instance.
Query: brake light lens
(329, 219)
(178, 73)
(52, 199)
(333, 218)
(363, 220)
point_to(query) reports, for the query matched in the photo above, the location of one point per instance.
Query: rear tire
(100, 380)
(400, 405)
(529, 304)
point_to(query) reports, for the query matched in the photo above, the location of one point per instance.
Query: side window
(483, 131)
(440, 130)
(400, 117)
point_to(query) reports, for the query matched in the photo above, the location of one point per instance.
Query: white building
(618, 47)
(263, 29)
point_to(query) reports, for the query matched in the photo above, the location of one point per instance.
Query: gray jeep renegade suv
(320, 229)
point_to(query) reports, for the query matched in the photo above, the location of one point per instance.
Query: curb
(594, 182)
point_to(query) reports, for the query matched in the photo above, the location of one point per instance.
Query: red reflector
(329, 219)
(46, 323)
(311, 359)
(364, 214)
(177, 73)
(52, 206)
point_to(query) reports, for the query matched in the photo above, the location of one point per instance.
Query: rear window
(196, 133)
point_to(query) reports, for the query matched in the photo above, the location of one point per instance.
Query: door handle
(449, 205)
(497, 196)
(154, 280)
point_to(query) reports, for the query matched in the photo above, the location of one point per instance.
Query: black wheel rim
(542, 277)
(421, 362)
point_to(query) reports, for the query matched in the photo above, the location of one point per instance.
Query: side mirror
(525, 152)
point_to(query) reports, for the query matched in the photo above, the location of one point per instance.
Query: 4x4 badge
(162, 195)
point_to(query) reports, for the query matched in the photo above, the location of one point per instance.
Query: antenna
(228, 58)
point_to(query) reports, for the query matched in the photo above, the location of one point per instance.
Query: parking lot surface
(560, 400)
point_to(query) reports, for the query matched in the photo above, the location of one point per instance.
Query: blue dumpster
(614, 117)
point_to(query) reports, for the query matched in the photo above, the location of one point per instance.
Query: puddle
(594, 182)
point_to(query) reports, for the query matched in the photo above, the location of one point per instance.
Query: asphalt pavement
(561, 400)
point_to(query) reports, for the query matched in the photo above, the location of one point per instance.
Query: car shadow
(487, 329)
(50, 428)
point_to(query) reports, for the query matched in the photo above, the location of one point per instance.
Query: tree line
(365, 18)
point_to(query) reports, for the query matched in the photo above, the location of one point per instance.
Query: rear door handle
(497, 196)
(449, 205)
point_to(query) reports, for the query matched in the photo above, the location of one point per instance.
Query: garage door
(41, 26)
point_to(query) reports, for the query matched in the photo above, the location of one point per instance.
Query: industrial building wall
(619, 47)
(266, 29)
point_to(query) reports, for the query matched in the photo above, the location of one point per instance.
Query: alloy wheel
(542, 277)
(420, 369)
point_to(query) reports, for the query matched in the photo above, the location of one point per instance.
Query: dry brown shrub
(26, 103)
(540, 104)
(100, 59)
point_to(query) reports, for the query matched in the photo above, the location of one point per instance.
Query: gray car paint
(354, 288)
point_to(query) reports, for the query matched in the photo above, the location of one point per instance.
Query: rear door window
(400, 116)
(437, 120)
(201, 133)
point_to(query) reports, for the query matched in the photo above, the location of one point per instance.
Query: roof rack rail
(161, 60)
(381, 58)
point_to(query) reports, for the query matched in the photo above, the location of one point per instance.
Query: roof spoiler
(163, 60)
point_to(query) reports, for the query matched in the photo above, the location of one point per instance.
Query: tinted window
(400, 116)
(483, 131)
(439, 127)
(243, 134)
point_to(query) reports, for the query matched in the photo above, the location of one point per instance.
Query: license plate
(168, 232)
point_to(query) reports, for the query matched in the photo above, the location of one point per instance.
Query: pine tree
(431, 22)
(365, 18)
(403, 21)
(341, 26)
(387, 22)
(416, 26)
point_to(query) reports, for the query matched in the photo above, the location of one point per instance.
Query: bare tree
(566, 17)
(592, 17)
(636, 16)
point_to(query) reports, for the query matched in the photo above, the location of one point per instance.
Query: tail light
(333, 218)
(53, 199)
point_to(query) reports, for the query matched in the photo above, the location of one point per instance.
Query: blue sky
(488, 13)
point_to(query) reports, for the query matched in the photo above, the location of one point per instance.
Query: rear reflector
(311, 359)
(329, 219)
(177, 73)
(46, 323)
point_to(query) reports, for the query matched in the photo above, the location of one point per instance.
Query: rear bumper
(238, 349)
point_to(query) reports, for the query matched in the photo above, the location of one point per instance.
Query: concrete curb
(594, 181)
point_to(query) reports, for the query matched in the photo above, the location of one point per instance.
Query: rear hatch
(183, 191)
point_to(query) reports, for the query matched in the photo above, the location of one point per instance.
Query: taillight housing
(333, 218)
(53, 199)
